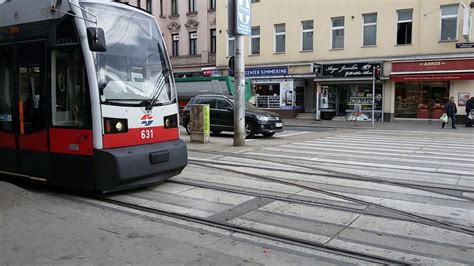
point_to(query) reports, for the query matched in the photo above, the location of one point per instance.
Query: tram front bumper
(135, 166)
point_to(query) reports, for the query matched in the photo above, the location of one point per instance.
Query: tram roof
(14, 12)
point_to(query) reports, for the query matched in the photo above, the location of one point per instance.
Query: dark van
(222, 116)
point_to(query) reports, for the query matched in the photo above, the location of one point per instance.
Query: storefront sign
(438, 77)
(350, 70)
(433, 65)
(266, 71)
(465, 45)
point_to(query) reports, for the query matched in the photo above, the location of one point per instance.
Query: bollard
(200, 123)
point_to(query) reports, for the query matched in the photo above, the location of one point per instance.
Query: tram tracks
(281, 238)
(438, 189)
(418, 218)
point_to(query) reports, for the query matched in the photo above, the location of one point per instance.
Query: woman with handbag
(450, 110)
(469, 111)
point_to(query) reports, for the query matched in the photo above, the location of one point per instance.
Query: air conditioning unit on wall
(175, 37)
(194, 35)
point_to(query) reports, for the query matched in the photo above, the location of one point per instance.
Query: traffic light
(377, 72)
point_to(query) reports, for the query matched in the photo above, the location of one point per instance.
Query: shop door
(31, 99)
(8, 147)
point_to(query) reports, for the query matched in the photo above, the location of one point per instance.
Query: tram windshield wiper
(160, 86)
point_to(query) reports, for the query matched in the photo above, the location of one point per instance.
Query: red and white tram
(87, 95)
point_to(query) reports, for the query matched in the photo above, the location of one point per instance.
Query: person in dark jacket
(451, 110)
(469, 109)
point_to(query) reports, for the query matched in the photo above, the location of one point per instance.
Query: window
(222, 104)
(69, 92)
(193, 43)
(175, 47)
(148, 6)
(139, 3)
(337, 32)
(230, 46)
(192, 6)
(212, 4)
(213, 41)
(161, 7)
(449, 22)
(307, 35)
(404, 26)
(6, 122)
(255, 41)
(255, 1)
(370, 29)
(174, 7)
(279, 38)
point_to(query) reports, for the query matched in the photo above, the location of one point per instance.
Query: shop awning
(432, 77)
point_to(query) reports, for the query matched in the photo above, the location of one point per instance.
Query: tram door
(31, 100)
(8, 153)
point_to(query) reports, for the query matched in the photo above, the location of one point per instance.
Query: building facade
(305, 55)
(189, 30)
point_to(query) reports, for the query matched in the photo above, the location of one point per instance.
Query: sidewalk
(397, 125)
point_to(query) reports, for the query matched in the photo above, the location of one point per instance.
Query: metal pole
(373, 97)
(239, 111)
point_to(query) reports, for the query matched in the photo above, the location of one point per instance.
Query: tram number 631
(147, 134)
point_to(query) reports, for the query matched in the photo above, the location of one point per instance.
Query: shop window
(307, 35)
(5, 89)
(404, 26)
(423, 100)
(255, 41)
(337, 33)
(370, 29)
(70, 98)
(449, 22)
(280, 38)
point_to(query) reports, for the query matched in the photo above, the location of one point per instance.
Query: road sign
(243, 20)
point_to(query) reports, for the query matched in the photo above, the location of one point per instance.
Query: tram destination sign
(349, 70)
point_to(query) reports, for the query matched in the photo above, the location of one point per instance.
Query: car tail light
(115, 125)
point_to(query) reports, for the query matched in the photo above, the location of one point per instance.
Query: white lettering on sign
(147, 134)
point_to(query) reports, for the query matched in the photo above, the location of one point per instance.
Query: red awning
(433, 77)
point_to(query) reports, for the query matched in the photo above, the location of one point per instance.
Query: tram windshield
(134, 69)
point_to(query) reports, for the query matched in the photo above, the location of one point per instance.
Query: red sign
(207, 72)
(435, 65)
(439, 77)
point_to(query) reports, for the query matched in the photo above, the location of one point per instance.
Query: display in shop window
(463, 97)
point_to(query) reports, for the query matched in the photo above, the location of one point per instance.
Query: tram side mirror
(96, 38)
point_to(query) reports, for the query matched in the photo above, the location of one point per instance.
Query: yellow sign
(207, 120)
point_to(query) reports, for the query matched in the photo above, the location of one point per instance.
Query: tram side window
(5, 90)
(70, 99)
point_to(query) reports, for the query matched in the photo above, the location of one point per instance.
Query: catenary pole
(239, 110)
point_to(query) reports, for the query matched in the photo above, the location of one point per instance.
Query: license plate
(278, 124)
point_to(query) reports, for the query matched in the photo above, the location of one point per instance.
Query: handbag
(444, 118)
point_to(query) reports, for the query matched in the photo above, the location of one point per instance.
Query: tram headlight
(171, 121)
(115, 125)
(119, 126)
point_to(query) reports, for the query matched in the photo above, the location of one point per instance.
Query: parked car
(222, 116)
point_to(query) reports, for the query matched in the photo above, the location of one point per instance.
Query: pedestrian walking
(450, 110)
(469, 111)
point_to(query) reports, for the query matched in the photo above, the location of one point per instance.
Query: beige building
(189, 30)
(423, 47)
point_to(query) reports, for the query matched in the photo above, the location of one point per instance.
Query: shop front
(422, 88)
(346, 92)
(273, 91)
